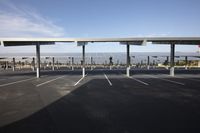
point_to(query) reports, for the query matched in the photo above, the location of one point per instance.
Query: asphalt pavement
(105, 101)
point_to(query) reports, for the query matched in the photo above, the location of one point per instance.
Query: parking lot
(105, 101)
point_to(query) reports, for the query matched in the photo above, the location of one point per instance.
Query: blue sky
(99, 18)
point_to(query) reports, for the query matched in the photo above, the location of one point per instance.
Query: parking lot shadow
(97, 108)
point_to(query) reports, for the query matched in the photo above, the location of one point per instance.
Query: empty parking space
(46, 82)
(66, 99)
(189, 81)
(166, 79)
(10, 79)
(189, 77)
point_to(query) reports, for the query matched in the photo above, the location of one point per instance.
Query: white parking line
(79, 80)
(49, 81)
(138, 80)
(16, 82)
(167, 80)
(188, 78)
(108, 79)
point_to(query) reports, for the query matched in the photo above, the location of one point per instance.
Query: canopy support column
(128, 60)
(57, 64)
(83, 59)
(33, 64)
(91, 67)
(72, 64)
(38, 59)
(172, 53)
(83, 56)
(167, 63)
(53, 63)
(6, 65)
(186, 62)
(148, 63)
(13, 64)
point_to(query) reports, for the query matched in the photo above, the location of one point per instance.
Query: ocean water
(99, 58)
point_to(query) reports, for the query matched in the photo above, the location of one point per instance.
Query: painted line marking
(108, 79)
(167, 80)
(188, 78)
(16, 82)
(138, 80)
(134, 79)
(79, 80)
(49, 81)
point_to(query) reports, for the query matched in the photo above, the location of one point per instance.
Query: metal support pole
(167, 67)
(154, 63)
(13, 64)
(186, 62)
(110, 67)
(6, 65)
(148, 62)
(57, 64)
(53, 63)
(83, 65)
(91, 63)
(167, 60)
(38, 59)
(172, 59)
(33, 64)
(110, 62)
(72, 63)
(128, 60)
